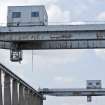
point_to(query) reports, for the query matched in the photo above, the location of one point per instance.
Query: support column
(7, 90)
(1, 101)
(35, 100)
(30, 98)
(21, 95)
(14, 93)
(39, 101)
(26, 91)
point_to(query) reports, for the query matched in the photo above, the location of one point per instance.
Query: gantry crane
(27, 28)
(51, 37)
(27, 33)
(93, 89)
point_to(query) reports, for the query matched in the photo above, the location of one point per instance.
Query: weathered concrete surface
(32, 98)
(14, 93)
(26, 92)
(37, 100)
(21, 95)
(7, 90)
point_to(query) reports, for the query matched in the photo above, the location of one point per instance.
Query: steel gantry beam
(55, 37)
(93, 88)
(16, 39)
(73, 92)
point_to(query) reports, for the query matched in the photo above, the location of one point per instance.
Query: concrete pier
(15, 93)
(7, 90)
(21, 95)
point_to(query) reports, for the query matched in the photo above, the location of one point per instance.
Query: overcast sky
(64, 68)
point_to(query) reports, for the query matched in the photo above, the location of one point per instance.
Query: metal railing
(54, 22)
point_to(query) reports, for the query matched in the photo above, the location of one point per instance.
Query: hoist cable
(32, 60)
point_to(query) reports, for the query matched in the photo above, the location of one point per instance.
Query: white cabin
(94, 84)
(27, 16)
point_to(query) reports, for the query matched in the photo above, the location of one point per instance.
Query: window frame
(34, 14)
(16, 14)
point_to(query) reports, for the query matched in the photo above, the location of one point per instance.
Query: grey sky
(64, 68)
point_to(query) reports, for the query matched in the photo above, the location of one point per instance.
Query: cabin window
(89, 83)
(97, 83)
(34, 14)
(16, 14)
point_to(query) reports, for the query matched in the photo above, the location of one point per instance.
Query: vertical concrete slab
(36, 101)
(14, 93)
(26, 92)
(1, 101)
(30, 97)
(33, 100)
(21, 95)
(39, 101)
(7, 90)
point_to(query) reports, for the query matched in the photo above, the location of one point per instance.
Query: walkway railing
(14, 91)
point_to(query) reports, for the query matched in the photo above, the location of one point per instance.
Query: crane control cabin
(25, 16)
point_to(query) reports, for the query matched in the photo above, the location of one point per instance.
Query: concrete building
(20, 93)
(27, 16)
